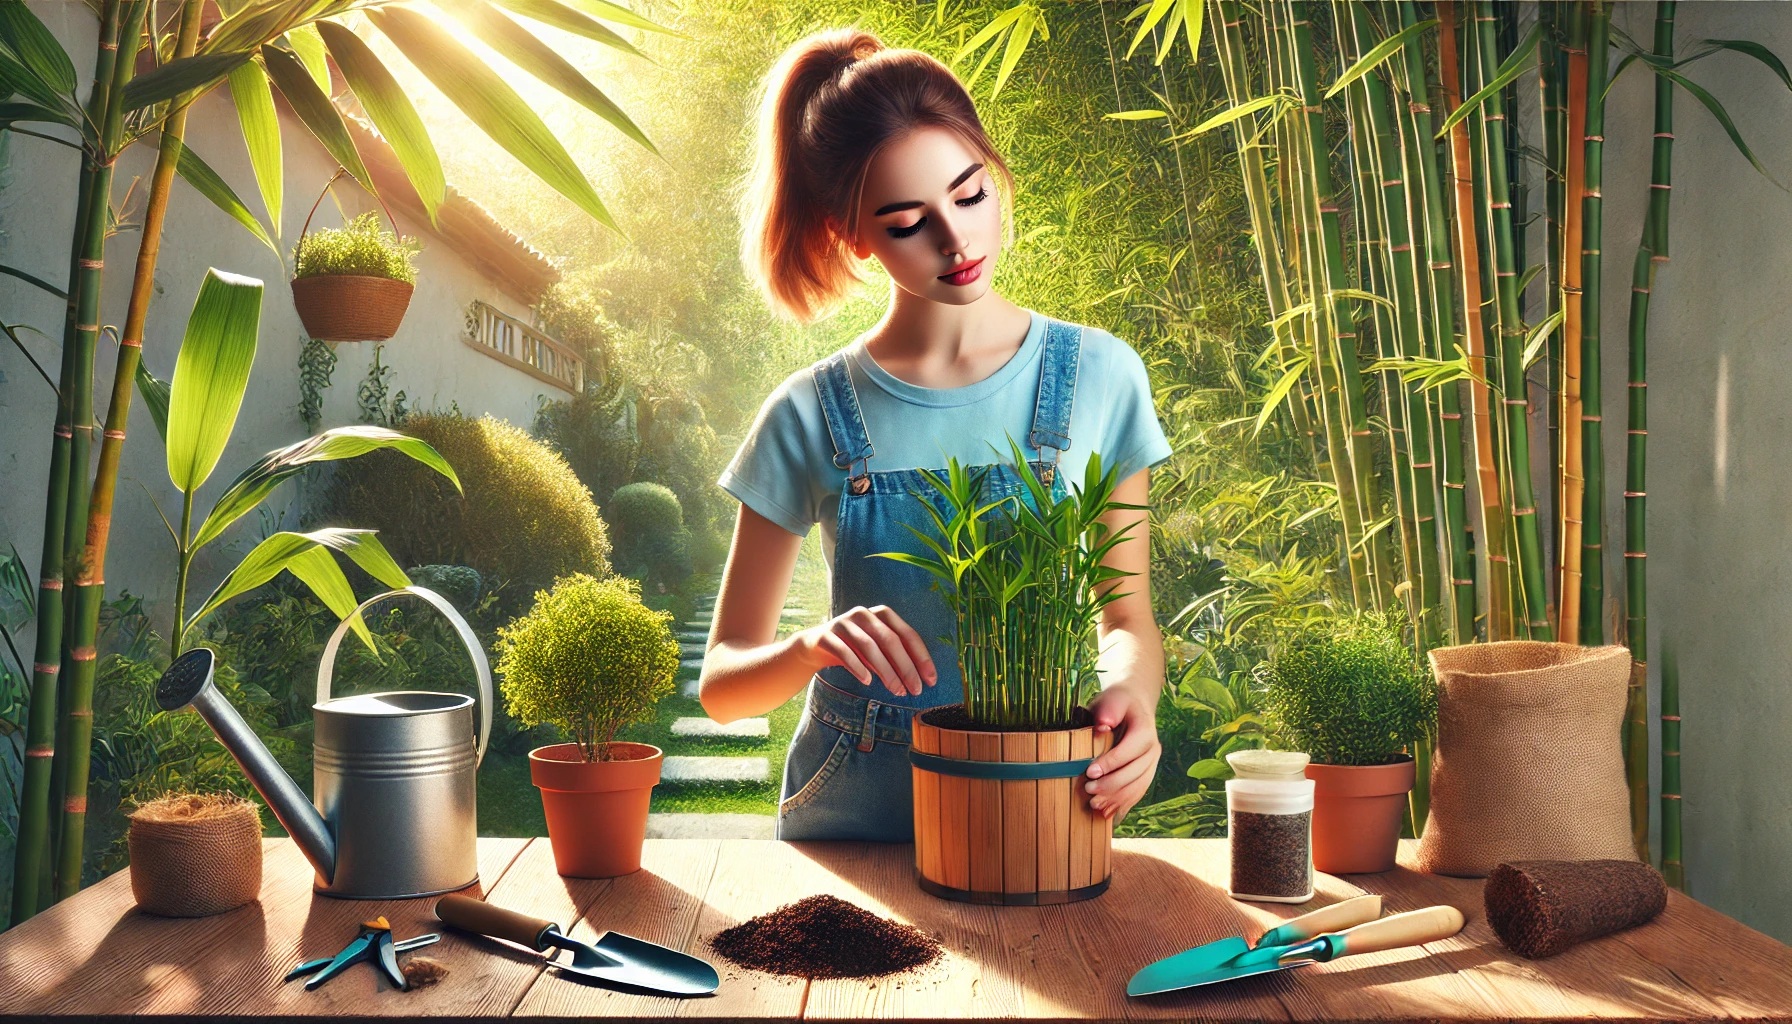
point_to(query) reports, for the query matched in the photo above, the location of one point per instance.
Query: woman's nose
(952, 237)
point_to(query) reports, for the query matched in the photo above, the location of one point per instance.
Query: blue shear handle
(352, 954)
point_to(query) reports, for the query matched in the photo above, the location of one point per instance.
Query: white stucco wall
(1720, 481)
(433, 366)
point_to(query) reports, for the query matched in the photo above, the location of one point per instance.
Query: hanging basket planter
(349, 307)
(999, 816)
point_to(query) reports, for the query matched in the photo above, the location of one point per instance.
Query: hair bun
(848, 48)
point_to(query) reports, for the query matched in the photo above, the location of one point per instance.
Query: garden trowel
(1413, 928)
(1336, 917)
(615, 958)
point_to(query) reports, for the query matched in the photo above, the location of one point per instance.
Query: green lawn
(510, 806)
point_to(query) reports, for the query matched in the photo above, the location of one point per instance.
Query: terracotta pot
(982, 838)
(350, 307)
(596, 810)
(1357, 814)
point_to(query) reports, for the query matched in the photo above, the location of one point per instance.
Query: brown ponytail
(831, 102)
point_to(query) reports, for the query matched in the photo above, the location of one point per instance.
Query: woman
(866, 152)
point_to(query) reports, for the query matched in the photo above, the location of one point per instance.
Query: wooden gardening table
(96, 956)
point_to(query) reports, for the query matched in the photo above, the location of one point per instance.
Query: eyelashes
(982, 194)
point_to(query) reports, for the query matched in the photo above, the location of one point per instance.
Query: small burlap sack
(1529, 763)
(193, 855)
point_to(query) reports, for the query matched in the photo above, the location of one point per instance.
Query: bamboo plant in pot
(1349, 693)
(590, 658)
(999, 817)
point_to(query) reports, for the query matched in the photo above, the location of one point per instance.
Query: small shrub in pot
(1350, 693)
(353, 283)
(590, 658)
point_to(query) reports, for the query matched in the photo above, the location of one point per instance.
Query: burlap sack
(1529, 764)
(195, 855)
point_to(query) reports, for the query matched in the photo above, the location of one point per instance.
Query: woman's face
(930, 216)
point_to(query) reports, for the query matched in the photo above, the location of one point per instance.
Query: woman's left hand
(1119, 778)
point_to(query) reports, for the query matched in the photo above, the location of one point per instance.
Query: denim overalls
(847, 775)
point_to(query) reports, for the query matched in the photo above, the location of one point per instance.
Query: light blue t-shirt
(785, 468)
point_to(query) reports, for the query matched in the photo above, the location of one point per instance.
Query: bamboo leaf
(1156, 13)
(1288, 315)
(550, 12)
(1273, 400)
(995, 27)
(210, 375)
(620, 15)
(524, 50)
(1232, 114)
(479, 92)
(254, 100)
(1747, 48)
(1382, 51)
(1723, 118)
(1508, 73)
(1358, 293)
(391, 112)
(315, 109)
(1529, 275)
(37, 49)
(1018, 39)
(33, 280)
(189, 74)
(308, 44)
(1539, 336)
(254, 484)
(208, 183)
(33, 113)
(156, 393)
(1134, 115)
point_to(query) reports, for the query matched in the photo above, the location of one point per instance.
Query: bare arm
(747, 671)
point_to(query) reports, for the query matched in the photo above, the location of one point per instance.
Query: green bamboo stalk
(1533, 599)
(1552, 74)
(1592, 567)
(1301, 200)
(1339, 327)
(79, 662)
(1650, 254)
(32, 856)
(1418, 472)
(1671, 867)
(1229, 44)
(1421, 156)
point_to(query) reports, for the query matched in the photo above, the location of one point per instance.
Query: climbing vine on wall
(377, 401)
(317, 361)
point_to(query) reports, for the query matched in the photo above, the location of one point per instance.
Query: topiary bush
(651, 541)
(1348, 691)
(590, 658)
(362, 246)
(523, 521)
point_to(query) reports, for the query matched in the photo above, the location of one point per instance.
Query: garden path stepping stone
(698, 771)
(709, 728)
(692, 650)
(696, 663)
(711, 826)
(690, 688)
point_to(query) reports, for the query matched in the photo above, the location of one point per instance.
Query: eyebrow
(911, 204)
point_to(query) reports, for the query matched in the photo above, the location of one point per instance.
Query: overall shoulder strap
(1057, 386)
(840, 407)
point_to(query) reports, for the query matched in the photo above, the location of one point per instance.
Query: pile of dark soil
(826, 937)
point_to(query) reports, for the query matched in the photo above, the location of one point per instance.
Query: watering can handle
(481, 665)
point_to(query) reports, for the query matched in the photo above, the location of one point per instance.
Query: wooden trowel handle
(473, 915)
(1413, 928)
(1335, 918)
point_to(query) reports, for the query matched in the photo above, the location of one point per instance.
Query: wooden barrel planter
(1000, 817)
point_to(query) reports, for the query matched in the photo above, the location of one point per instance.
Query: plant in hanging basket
(590, 658)
(353, 283)
(999, 817)
(1350, 693)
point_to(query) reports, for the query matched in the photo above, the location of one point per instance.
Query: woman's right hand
(873, 640)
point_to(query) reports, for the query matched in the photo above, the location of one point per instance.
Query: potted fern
(590, 658)
(353, 283)
(998, 816)
(1349, 693)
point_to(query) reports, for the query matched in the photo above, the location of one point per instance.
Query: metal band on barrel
(1003, 771)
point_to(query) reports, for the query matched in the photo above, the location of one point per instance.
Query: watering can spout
(189, 681)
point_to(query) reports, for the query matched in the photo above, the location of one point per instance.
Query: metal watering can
(393, 773)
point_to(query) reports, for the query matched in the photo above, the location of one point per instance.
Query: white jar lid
(1264, 796)
(1268, 764)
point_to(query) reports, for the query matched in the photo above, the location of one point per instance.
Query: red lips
(966, 274)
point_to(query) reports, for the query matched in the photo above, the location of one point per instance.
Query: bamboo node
(114, 435)
(1502, 559)
(1407, 247)
(1592, 193)
(1665, 188)
(40, 751)
(87, 264)
(1636, 494)
(1671, 718)
(1592, 547)
(65, 433)
(1636, 554)
(132, 343)
(1671, 796)
(1462, 583)
(84, 654)
(1593, 138)
(80, 713)
(1639, 383)
(45, 668)
(75, 805)
(1449, 415)
(1637, 433)
(1634, 290)
(1524, 511)
(109, 47)
(1591, 419)
(1455, 487)
(1391, 182)
(87, 328)
(1424, 465)
(1501, 206)
(54, 583)
(1664, 135)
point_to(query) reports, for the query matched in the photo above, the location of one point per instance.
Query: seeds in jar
(1271, 855)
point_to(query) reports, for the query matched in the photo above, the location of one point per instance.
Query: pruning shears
(373, 943)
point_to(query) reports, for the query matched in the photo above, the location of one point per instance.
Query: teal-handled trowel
(1337, 917)
(1412, 928)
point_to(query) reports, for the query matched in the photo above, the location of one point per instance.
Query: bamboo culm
(1571, 474)
(1592, 583)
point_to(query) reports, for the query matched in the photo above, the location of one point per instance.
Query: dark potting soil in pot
(955, 717)
(826, 937)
